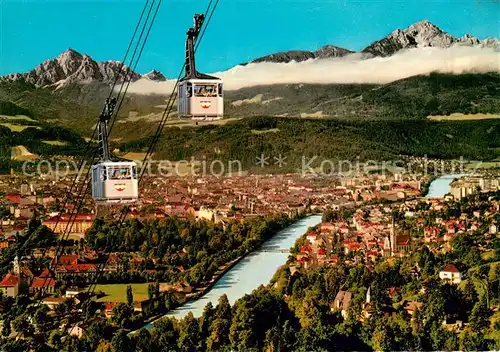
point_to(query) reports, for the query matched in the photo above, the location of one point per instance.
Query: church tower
(17, 269)
(393, 237)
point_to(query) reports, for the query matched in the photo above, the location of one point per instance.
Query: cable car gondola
(200, 96)
(113, 182)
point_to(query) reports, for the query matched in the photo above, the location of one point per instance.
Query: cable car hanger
(105, 116)
(113, 182)
(200, 96)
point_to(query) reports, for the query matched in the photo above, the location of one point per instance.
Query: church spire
(393, 237)
(17, 269)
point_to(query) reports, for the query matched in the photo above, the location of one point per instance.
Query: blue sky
(34, 30)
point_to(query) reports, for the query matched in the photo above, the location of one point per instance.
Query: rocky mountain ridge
(303, 55)
(72, 66)
(420, 34)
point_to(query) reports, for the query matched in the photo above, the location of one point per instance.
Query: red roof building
(326, 227)
(60, 223)
(47, 285)
(450, 273)
(306, 249)
(10, 285)
(321, 252)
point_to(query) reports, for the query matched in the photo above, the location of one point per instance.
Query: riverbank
(425, 186)
(440, 186)
(149, 324)
(202, 291)
(252, 270)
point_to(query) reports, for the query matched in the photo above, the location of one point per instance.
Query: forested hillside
(246, 139)
(78, 105)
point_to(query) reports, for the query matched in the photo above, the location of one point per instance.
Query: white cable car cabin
(200, 97)
(115, 182)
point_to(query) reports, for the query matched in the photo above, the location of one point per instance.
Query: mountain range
(72, 66)
(49, 109)
(420, 34)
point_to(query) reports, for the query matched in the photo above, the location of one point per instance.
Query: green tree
(120, 342)
(165, 335)
(219, 329)
(72, 344)
(143, 341)
(130, 296)
(288, 336)
(6, 327)
(22, 325)
(451, 343)
(41, 315)
(170, 300)
(188, 333)
(94, 334)
(223, 309)
(473, 257)
(122, 313)
(437, 335)
(382, 338)
(470, 294)
(472, 341)
(157, 289)
(274, 340)
(14, 346)
(242, 330)
(219, 335)
(55, 339)
(205, 322)
(151, 292)
(480, 315)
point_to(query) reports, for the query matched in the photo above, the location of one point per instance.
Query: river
(441, 186)
(259, 267)
(254, 270)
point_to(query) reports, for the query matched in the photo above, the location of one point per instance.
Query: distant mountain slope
(70, 90)
(71, 66)
(39, 138)
(411, 98)
(420, 34)
(332, 140)
(301, 55)
(77, 106)
(74, 106)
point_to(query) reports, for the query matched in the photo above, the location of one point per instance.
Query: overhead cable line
(165, 115)
(81, 194)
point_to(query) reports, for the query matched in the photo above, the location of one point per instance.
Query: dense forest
(411, 98)
(199, 247)
(78, 105)
(333, 140)
(328, 139)
(34, 137)
(11, 109)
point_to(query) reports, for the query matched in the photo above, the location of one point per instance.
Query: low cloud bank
(349, 69)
